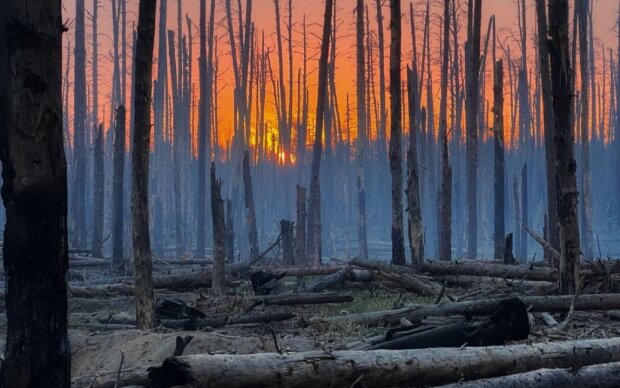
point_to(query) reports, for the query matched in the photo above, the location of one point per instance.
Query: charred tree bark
(78, 201)
(381, 131)
(499, 173)
(286, 229)
(219, 234)
(300, 226)
(118, 168)
(396, 166)
(416, 231)
(176, 140)
(34, 192)
(143, 267)
(361, 134)
(202, 135)
(566, 182)
(230, 230)
(444, 223)
(548, 119)
(249, 205)
(98, 192)
(524, 212)
(474, 12)
(586, 178)
(314, 214)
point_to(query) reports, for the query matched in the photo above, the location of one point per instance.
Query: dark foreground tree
(396, 159)
(143, 267)
(34, 192)
(314, 208)
(566, 180)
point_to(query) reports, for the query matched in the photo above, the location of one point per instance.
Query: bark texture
(143, 267)
(34, 192)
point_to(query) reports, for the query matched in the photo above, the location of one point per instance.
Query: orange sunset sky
(604, 21)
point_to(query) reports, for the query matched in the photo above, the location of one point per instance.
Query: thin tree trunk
(118, 193)
(566, 182)
(219, 234)
(35, 251)
(249, 205)
(286, 230)
(473, 89)
(381, 131)
(499, 175)
(524, 212)
(176, 140)
(314, 213)
(78, 201)
(98, 192)
(300, 226)
(143, 267)
(202, 135)
(361, 135)
(548, 117)
(416, 231)
(586, 178)
(444, 223)
(396, 166)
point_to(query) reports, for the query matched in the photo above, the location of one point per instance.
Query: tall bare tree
(396, 166)
(566, 181)
(118, 192)
(78, 200)
(314, 208)
(586, 177)
(499, 172)
(474, 11)
(444, 223)
(34, 192)
(361, 134)
(553, 231)
(143, 267)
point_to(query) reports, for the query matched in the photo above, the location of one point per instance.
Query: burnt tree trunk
(566, 182)
(78, 197)
(473, 90)
(361, 134)
(499, 173)
(34, 191)
(143, 267)
(300, 228)
(118, 168)
(202, 135)
(219, 234)
(249, 205)
(548, 120)
(286, 229)
(98, 192)
(314, 214)
(416, 231)
(444, 223)
(396, 166)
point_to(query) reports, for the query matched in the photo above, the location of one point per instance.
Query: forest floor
(104, 339)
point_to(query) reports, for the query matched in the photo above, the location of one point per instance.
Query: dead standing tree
(548, 119)
(361, 134)
(396, 167)
(118, 260)
(444, 222)
(34, 191)
(566, 182)
(472, 68)
(499, 173)
(143, 267)
(219, 234)
(314, 213)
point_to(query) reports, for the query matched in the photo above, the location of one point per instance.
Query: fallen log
(541, 286)
(378, 367)
(203, 323)
(488, 269)
(297, 299)
(404, 276)
(332, 280)
(599, 375)
(112, 379)
(475, 308)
